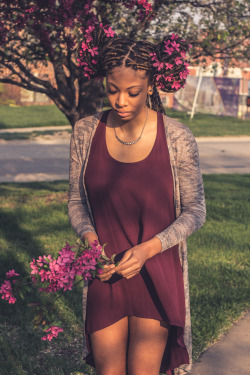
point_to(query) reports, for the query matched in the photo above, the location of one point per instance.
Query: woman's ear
(150, 90)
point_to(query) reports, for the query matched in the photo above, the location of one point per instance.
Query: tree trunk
(88, 101)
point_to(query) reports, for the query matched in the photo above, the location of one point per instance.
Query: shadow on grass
(54, 186)
(22, 351)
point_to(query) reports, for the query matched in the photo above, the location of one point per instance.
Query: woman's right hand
(106, 273)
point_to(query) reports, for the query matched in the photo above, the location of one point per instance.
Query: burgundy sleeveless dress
(131, 203)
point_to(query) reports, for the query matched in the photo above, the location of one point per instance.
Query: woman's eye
(111, 92)
(134, 94)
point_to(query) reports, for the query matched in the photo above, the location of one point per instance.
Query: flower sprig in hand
(54, 276)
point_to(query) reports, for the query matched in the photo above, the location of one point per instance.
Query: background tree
(42, 33)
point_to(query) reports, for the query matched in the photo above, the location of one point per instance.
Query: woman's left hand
(134, 258)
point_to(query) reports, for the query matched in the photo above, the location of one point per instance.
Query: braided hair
(164, 63)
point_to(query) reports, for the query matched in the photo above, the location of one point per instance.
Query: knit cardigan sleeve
(78, 210)
(186, 168)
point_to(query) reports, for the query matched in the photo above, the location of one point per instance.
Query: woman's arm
(192, 199)
(78, 210)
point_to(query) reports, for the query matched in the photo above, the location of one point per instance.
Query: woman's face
(127, 91)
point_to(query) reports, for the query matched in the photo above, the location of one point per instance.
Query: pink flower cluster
(54, 331)
(144, 7)
(92, 51)
(60, 273)
(6, 287)
(170, 47)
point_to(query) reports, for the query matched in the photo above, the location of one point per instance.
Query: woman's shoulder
(177, 131)
(88, 122)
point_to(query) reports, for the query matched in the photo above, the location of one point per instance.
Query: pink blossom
(169, 50)
(168, 66)
(11, 273)
(146, 5)
(175, 45)
(158, 64)
(161, 86)
(84, 46)
(89, 38)
(167, 43)
(174, 36)
(183, 54)
(54, 331)
(90, 29)
(178, 60)
(6, 291)
(186, 64)
(110, 33)
(93, 51)
(61, 273)
(183, 75)
(190, 46)
(169, 78)
(31, 10)
(176, 85)
(154, 56)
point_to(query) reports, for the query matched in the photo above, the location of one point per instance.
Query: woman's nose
(121, 100)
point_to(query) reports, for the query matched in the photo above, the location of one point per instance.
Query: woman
(136, 185)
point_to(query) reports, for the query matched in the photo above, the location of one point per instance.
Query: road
(47, 160)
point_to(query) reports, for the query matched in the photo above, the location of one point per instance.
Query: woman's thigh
(147, 343)
(109, 347)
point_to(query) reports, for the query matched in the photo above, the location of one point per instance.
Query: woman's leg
(109, 347)
(147, 343)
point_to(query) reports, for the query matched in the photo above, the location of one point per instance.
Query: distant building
(224, 92)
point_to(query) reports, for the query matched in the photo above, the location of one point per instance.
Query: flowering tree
(38, 33)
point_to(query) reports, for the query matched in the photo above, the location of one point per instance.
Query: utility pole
(196, 93)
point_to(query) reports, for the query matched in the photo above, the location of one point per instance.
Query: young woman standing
(136, 185)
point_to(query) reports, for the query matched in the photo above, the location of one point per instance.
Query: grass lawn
(32, 116)
(205, 125)
(33, 221)
(201, 125)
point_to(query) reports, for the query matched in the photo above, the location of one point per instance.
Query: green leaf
(105, 257)
(79, 241)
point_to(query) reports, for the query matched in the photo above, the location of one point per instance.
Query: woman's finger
(127, 271)
(106, 272)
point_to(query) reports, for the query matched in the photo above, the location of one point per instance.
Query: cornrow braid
(164, 64)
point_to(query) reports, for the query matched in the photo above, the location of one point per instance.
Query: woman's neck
(132, 126)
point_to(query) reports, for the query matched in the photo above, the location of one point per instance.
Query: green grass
(33, 221)
(205, 125)
(32, 116)
(201, 125)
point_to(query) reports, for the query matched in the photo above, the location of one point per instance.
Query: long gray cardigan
(188, 199)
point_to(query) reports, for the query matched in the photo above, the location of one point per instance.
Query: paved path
(44, 159)
(230, 356)
(224, 154)
(23, 161)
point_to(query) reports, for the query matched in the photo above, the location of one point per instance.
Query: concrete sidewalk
(36, 129)
(230, 355)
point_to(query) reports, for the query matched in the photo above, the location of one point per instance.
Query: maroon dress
(131, 203)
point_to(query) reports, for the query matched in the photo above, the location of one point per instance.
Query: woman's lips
(123, 114)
